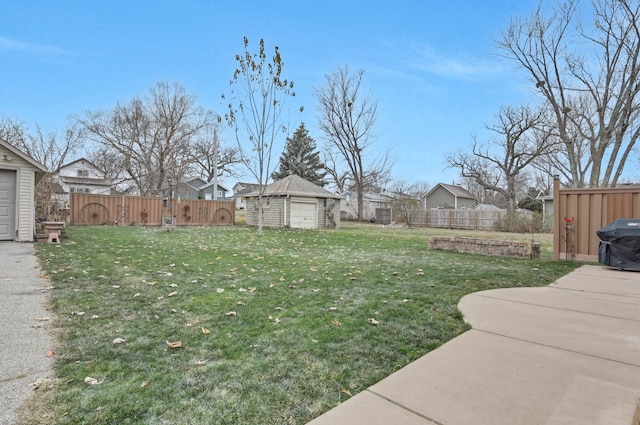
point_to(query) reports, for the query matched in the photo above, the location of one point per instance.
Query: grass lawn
(222, 326)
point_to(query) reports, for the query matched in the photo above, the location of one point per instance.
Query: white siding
(25, 189)
(26, 207)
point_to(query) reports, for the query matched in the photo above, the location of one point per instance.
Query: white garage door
(7, 204)
(303, 215)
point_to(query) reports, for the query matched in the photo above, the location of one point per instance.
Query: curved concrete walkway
(24, 340)
(567, 353)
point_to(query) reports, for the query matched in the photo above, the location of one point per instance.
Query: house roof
(23, 155)
(456, 191)
(211, 183)
(197, 182)
(80, 160)
(85, 180)
(244, 188)
(296, 186)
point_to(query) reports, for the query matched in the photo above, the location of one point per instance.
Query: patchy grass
(273, 330)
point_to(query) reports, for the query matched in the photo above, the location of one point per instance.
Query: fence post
(557, 217)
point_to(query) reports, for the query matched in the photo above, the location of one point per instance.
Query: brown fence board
(89, 209)
(590, 210)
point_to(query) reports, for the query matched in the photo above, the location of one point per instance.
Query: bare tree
(48, 149)
(339, 178)
(406, 199)
(588, 74)
(210, 158)
(256, 102)
(498, 164)
(150, 136)
(347, 117)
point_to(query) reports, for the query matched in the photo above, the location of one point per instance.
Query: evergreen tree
(301, 158)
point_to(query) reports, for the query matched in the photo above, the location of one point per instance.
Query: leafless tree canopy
(208, 156)
(151, 136)
(522, 136)
(347, 117)
(256, 101)
(48, 149)
(588, 73)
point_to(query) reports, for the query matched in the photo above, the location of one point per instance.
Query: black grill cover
(620, 244)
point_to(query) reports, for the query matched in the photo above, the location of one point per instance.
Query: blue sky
(430, 63)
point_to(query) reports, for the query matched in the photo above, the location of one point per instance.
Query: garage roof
(295, 186)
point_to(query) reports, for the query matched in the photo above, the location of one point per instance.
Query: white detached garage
(19, 174)
(295, 202)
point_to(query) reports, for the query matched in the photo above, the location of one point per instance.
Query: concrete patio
(567, 353)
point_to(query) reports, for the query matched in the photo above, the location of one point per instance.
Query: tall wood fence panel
(579, 213)
(89, 209)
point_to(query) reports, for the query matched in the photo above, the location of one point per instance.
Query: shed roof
(23, 155)
(296, 186)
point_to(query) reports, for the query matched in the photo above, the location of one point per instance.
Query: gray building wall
(274, 211)
(442, 198)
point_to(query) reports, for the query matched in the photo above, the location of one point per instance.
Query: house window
(83, 173)
(220, 194)
(86, 190)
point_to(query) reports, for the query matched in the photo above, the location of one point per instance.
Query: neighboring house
(370, 201)
(294, 202)
(80, 176)
(196, 189)
(547, 211)
(19, 174)
(240, 189)
(207, 192)
(449, 196)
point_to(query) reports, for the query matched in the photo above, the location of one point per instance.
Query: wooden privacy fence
(451, 219)
(579, 213)
(146, 211)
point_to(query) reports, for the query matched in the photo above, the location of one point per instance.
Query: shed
(19, 174)
(449, 196)
(295, 202)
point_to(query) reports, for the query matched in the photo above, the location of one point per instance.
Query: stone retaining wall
(486, 246)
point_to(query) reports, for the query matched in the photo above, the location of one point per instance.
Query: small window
(83, 173)
(72, 189)
(86, 190)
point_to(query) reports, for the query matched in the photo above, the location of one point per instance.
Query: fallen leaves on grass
(175, 344)
(92, 381)
(205, 331)
(119, 341)
(335, 322)
(231, 313)
(50, 353)
(347, 392)
(77, 313)
(373, 321)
